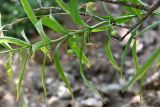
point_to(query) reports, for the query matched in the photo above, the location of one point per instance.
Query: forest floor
(105, 78)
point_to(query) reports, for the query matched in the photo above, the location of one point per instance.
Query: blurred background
(106, 79)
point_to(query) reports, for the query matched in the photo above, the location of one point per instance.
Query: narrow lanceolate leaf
(21, 76)
(13, 41)
(53, 24)
(109, 53)
(153, 25)
(34, 20)
(63, 6)
(44, 37)
(60, 70)
(124, 54)
(40, 30)
(24, 36)
(135, 58)
(9, 70)
(74, 12)
(144, 68)
(29, 11)
(142, 81)
(86, 81)
(77, 50)
(100, 29)
(8, 66)
(43, 76)
(21, 55)
(136, 64)
(6, 45)
(157, 65)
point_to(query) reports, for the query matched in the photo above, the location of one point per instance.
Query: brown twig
(49, 9)
(149, 12)
(57, 10)
(128, 4)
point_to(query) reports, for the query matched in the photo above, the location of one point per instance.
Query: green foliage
(109, 52)
(43, 75)
(21, 76)
(76, 40)
(60, 70)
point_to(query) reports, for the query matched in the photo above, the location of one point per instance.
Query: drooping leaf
(153, 25)
(40, 30)
(43, 76)
(109, 53)
(124, 54)
(6, 45)
(86, 81)
(144, 68)
(21, 76)
(60, 70)
(21, 55)
(34, 20)
(135, 58)
(8, 66)
(13, 41)
(24, 36)
(73, 45)
(52, 23)
(44, 37)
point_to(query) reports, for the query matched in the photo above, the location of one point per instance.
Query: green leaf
(86, 81)
(157, 65)
(136, 64)
(40, 30)
(60, 70)
(63, 6)
(24, 36)
(74, 12)
(6, 45)
(124, 18)
(21, 55)
(141, 82)
(40, 44)
(21, 76)
(144, 68)
(73, 45)
(8, 66)
(100, 29)
(9, 70)
(43, 75)
(133, 10)
(107, 11)
(124, 54)
(44, 37)
(135, 58)
(109, 53)
(29, 11)
(13, 41)
(52, 23)
(34, 20)
(153, 25)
